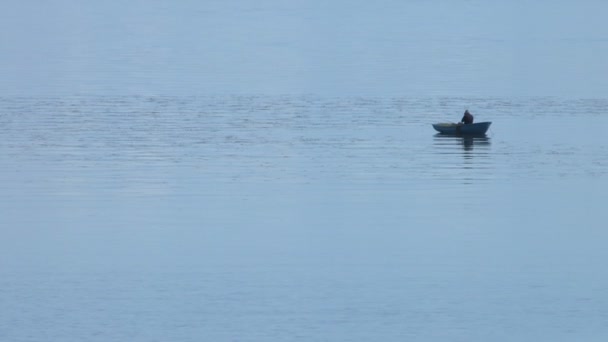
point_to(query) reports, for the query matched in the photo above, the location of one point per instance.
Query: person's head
(466, 111)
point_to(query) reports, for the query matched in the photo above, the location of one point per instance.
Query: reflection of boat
(479, 128)
(467, 141)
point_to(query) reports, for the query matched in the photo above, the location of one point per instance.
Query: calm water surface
(286, 218)
(267, 171)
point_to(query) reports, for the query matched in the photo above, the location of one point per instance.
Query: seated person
(467, 118)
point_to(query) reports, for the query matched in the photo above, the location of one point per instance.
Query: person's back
(467, 118)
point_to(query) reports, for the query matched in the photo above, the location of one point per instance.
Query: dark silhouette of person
(467, 118)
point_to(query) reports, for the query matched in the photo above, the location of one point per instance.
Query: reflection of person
(467, 118)
(467, 143)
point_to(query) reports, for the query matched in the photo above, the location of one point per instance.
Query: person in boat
(467, 118)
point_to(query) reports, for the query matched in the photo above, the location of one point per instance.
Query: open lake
(268, 172)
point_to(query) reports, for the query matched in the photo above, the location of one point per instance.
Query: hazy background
(381, 48)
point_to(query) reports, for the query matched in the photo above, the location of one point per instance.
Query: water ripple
(295, 139)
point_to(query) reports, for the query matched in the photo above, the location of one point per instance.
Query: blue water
(268, 171)
(395, 48)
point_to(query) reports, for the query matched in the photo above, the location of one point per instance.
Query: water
(268, 171)
(305, 217)
(395, 48)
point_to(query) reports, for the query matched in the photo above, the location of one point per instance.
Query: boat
(479, 128)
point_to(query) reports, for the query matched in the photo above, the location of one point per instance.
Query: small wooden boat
(479, 128)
